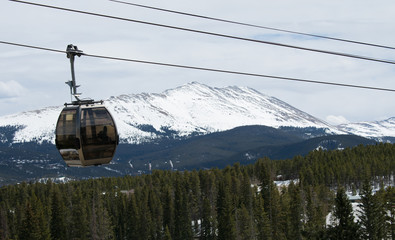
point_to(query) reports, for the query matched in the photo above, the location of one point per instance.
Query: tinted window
(66, 140)
(98, 133)
(66, 129)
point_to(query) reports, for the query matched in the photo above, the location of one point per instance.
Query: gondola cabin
(86, 135)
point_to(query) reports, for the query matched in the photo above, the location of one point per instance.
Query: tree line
(237, 202)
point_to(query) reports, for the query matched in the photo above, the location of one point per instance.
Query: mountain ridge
(191, 109)
(379, 130)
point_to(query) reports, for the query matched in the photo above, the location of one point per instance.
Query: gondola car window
(66, 139)
(66, 129)
(98, 133)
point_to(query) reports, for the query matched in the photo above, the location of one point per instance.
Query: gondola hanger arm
(71, 52)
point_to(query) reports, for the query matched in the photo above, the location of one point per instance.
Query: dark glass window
(98, 133)
(66, 129)
(66, 140)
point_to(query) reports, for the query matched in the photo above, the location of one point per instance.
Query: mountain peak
(197, 108)
(193, 108)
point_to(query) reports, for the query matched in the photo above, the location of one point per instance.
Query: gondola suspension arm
(71, 52)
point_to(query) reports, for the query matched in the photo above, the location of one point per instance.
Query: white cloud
(336, 120)
(11, 89)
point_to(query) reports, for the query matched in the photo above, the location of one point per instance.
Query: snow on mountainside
(189, 109)
(198, 108)
(38, 125)
(377, 129)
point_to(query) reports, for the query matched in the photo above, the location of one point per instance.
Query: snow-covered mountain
(190, 109)
(33, 126)
(197, 108)
(193, 108)
(378, 130)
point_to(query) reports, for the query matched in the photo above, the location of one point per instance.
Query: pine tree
(315, 214)
(155, 208)
(278, 216)
(264, 231)
(167, 235)
(132, 219)
(16, 217)
(4, 233)
(265, 174)
(58, 216)
(79, 217)
(182, 219)
(194, 197)
(119, 214)
(145, 217)
(40, 213)
(34, 226)
(246, 192)
(225, 213)
(168, 210)
(100, 225)
(271, 198)
(295, 212)
(244, 224)
(372, 214)
(390, 203)
(207, 227)
(345, 227)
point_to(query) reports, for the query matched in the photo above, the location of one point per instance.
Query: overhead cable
(211, 33)
(254, 25)
(208, 69)
(34, 47)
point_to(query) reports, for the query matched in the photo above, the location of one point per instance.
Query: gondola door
(67, 132)
(99, 137)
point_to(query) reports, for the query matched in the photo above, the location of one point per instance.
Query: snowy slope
(198, 108)
(38, 125)
(377, 129)
(189, 109)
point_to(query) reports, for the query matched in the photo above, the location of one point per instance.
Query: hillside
(31, 161)
(237, 201)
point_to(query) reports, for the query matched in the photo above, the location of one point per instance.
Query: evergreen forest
(235, 203)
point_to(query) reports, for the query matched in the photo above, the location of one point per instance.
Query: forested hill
(237, 202)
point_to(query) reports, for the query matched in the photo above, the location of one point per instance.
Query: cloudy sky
(33, 79)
